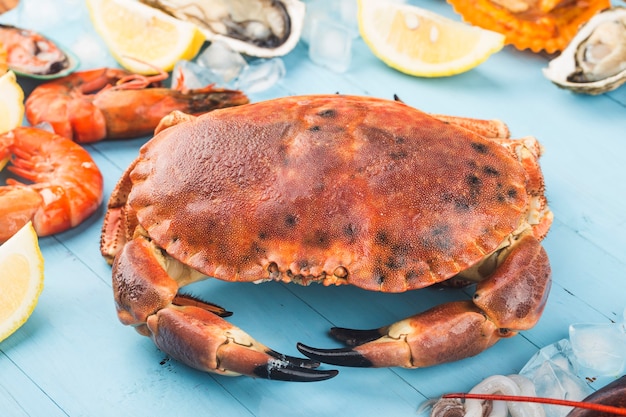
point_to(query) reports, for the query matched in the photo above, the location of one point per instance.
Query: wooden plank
(74, 333)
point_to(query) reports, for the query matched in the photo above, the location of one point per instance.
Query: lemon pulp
(21, 279)
(422, 43)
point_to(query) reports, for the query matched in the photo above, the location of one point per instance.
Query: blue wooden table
(73, 357)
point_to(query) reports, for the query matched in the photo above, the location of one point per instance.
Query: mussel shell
(564, 71)
(56, 69)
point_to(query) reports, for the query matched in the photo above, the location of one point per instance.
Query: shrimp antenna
(619, 411)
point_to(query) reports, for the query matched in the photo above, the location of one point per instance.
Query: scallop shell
(593, 76)
(260, 28)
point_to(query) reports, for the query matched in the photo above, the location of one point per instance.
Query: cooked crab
(335, 190)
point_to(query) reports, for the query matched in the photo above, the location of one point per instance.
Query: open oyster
(261, 28)
(595, 60)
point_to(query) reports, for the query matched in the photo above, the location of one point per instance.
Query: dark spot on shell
(461, 204)
(397, 260)
(262, 235)
(303, 263)
(381, 238)
(320, 239)
(350, 231)
(480, 147)
(257, 249)
(474, 181)
(327, 113)
(397, 155)
(512, 193)
(400, 140)
(500, 198)
(439, 238)
(522, 310)
(491, 171)
(411, 275)
(475, 185)
(315, 128)
(291, 221)
(379, 277)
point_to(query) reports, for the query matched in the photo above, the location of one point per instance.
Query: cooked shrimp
(122, 104)
(64, 184)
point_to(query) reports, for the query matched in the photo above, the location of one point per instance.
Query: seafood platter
(405, 244)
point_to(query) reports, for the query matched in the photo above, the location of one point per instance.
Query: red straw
(553, 401)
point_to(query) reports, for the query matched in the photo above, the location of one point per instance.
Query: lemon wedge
(142, 38)
(21, 279)
(419, 42)
(11, 102)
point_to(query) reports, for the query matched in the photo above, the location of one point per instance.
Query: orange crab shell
(358, 191)
(536, 25)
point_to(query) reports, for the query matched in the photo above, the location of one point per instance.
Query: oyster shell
(261, 28)
(595, 60)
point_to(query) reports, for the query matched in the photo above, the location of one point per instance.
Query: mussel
(594, 62)
(261, 28)
(32, 54)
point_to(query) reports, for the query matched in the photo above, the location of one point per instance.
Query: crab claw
(191, 330)
(214, 345)
(510, 299)
(445, 333)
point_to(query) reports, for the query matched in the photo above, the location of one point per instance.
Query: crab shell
(333, 189)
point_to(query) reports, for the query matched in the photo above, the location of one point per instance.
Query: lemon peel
(11, 102)
(419, 42)
(21, 279)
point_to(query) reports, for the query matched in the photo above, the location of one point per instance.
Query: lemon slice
(21, 279)
(422, 43)
(141, 38)
(11, 102)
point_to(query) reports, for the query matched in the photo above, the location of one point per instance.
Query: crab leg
(190, 330)
(510, 300)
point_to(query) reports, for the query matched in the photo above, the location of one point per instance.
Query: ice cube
(599, 348)
(91, 52)
(554, 373)
(222, 60)
(330, 45)
(192, 75)
(342, 12)
(261, 74)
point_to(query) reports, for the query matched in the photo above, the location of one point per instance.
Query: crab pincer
(510, 299)
(190, 330)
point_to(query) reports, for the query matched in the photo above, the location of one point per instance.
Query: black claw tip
(294, 361)
(340, 357)
(293, 373)
(353, 337)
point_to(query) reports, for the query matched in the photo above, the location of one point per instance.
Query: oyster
(261, 28)
(595, 60)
